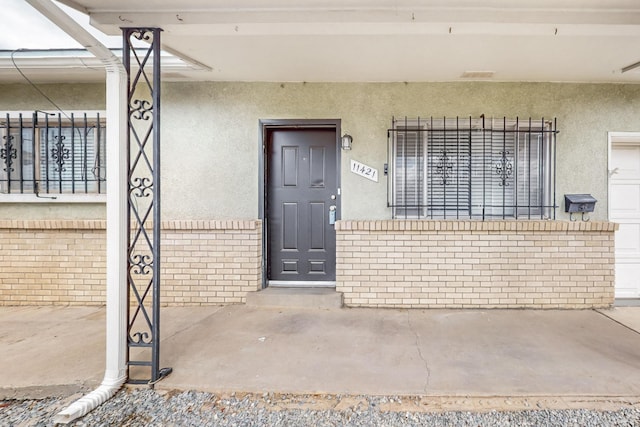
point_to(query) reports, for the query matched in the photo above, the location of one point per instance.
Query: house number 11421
(364, 170)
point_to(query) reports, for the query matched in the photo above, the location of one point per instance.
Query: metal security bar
(143, 146)
(52, 153)
(472, 168)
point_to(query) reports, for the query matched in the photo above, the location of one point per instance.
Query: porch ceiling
(378, 40)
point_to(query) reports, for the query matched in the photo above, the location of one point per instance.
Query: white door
(624, 208)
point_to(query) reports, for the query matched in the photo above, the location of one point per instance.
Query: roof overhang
(373, 40)
(75, 65)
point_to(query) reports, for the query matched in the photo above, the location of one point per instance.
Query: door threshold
(301, 284)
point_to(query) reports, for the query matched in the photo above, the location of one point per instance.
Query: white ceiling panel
(377, 40)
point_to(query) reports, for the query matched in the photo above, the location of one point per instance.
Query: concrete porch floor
(475, 353)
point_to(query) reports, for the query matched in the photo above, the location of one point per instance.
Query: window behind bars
(44, 153)
(453, 168)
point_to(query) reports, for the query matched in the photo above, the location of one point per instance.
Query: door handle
(332, 214)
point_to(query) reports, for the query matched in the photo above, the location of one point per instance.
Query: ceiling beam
(446, 16)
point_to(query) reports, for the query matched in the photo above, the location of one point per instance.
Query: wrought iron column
(143, 165)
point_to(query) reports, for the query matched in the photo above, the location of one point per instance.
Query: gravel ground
(144, 407)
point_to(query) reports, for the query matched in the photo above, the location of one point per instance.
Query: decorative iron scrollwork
(141, 187)
(142, 34)
(8, 153)
(60, 154)
(141, 264)
(141, 109)
(504, 168)
(140, 338)
(444, 167)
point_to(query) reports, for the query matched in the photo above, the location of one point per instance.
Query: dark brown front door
(301, 204)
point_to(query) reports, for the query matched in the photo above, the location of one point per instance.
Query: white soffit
(378, 40)
(73, 65)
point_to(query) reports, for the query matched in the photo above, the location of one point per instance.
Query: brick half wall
(469, 264)
(63, 262)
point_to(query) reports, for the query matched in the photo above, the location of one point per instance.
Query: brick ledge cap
(466, 225)
(100, 224)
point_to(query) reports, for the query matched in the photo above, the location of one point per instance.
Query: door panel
(317, 226)
(289, 226)
(301, 188)
(317, 167)
(624, 198)
(289, 166)
(628, 239)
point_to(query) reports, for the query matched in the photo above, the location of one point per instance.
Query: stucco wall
(22, 97)
(210, 135)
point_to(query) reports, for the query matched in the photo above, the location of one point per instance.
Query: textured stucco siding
(210, 135)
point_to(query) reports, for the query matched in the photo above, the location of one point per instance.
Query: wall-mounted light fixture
(346, 141)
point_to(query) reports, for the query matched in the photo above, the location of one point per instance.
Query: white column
(117, 177)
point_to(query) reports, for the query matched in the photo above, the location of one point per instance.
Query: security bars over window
(465, 168)
(52, 153)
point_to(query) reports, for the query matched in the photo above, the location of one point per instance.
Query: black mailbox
(581, 203)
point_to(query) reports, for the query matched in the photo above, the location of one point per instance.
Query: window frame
(32, 187)
(496, 155)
